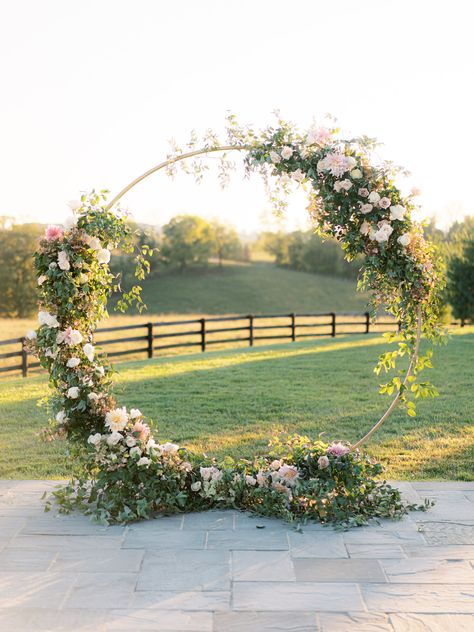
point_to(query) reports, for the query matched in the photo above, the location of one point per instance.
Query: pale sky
(91, 90)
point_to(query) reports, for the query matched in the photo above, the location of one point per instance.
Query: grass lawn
(232, 401)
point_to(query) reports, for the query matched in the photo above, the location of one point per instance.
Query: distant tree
(17, 275)
(460, 288)
(187, 240)
(226, 242)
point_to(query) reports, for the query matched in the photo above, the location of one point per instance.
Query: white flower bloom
(323, 462)
(92, 397)
(135, 413)
(74, 205)
(365, 228)
(150, 445)
(275, 465)
(75, 337)
(274, 157)
(100, 370)
(83, 278)
(116, 419)
(384, 202)
(61, 416)
(250, 480)
(51, 354)
(169, 447)
(397, 212)
(114, 438)
(374, 197)
(130, 441)
(366, 208)
(53, 265)
(103, 255)
(73, 392)
(318, 136)
(404, 239)
(135, 451)
(382, 234)
(63, 260)
(288, 473)
(195, 487)
(346, 184)
(45, 318)
(42, 279)
(89, 351)
(356, 174)
(144, 461)
(73, 362)
(286, 153)
(298, 175)
(31, 335)
(94, 439)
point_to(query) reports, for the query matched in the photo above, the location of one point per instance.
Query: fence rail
(203, 330)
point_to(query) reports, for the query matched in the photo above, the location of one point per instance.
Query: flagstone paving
(225, 571)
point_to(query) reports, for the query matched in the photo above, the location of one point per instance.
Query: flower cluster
(126, 474)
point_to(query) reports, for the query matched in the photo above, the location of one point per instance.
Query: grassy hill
(233, 401)
(249, 288)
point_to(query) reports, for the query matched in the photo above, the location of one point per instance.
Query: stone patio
(230, 572)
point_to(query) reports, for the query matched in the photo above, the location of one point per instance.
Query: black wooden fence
(156, 335)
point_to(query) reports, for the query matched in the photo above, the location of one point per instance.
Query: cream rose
(404, 239)
(397, 212)
(374, 197)
(286, 152)
(103, 255)
(356, 174)
(116, 419)
(73, 362)
(89, 351)
(73, 392)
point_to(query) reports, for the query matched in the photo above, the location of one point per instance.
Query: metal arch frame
(221, 148)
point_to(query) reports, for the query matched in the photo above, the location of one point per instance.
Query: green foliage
(304, 251)
(187, 240)
(17, 274)
(461, 282)
(226, 242)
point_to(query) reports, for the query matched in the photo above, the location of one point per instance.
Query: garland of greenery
(124, 474)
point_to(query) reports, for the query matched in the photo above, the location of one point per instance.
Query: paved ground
(229, 572)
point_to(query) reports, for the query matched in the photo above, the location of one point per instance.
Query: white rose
(92, 397)
(404, 239)
(286, 153)
(73, 392)
(346, 185)
(195, 487)
(45, 318)
(100, 370)
(73, 362)
(114, 438)
(150, 445)
(250, 480)
(94, 439)
(94, 243)
(169, 447)
(366, 208)
(53, 265)
(397, 212)
(89, 351)
(374, 197)
(75, 337)
(42, 279)
(135, 413)
(143, 461)
(63, 261)
(274, 157)
(74, 205)
(31, 335)
(61, 416)
(103, 255)
(116, 419)
(383, 234)
(356, 174)
(130, 441)
(135, 451)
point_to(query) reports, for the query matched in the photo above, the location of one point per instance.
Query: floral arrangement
(124, 474)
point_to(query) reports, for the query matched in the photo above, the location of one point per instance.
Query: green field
(232, 401)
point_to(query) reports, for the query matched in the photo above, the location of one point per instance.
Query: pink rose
(384, 202)
(337, 449)
(141, 430)
(53, 232)
(363, 192)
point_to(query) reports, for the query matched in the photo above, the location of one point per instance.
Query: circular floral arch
(125, 474)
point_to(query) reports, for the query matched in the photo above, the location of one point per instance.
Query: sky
(92, 90)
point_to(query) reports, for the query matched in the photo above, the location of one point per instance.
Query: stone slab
(310, 596)
(265, 622)
(95, 561)
(422, 598)
(247, 539)
(432, 622)
(262, 566)
(161, 539)
(428, 571)
(334, 570)
(317, 544)
(126, 620)
(354, 622)
(101, 590)
(376, 551)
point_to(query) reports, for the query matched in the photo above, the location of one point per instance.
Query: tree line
(188, 241)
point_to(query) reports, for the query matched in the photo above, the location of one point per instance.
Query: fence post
(24, 358)
(203, 334)
(250, 330)
(367, 322)
(333, 324)
(149, 327)
(293, 328)
(399, 324)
